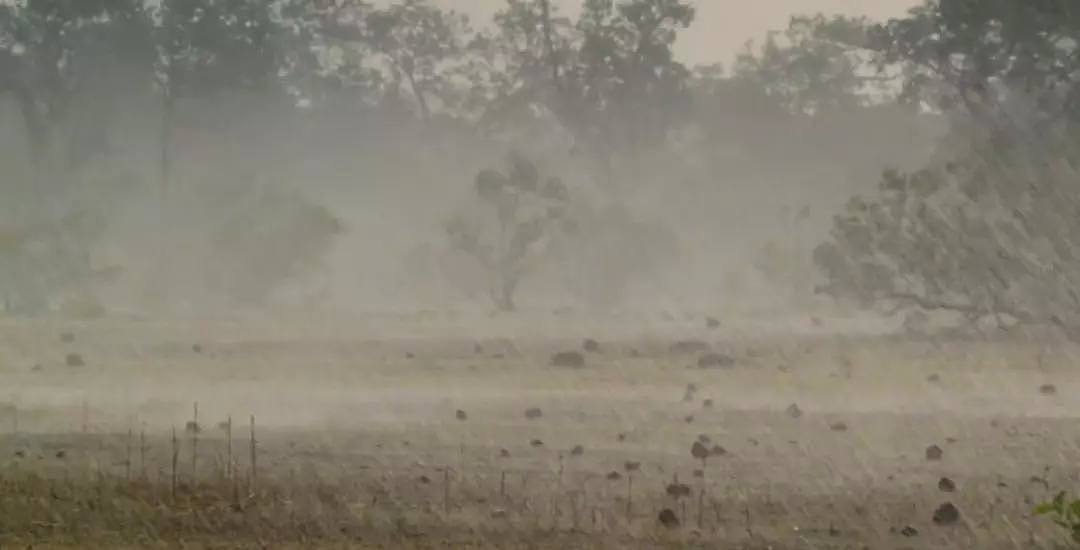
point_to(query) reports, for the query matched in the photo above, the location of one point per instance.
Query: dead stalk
(175, 459)
(195, 444)
(254, 462)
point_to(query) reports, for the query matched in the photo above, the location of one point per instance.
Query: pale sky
(723, 26)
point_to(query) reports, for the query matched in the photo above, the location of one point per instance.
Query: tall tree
(205, 46)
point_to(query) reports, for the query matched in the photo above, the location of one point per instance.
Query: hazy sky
(723, 26)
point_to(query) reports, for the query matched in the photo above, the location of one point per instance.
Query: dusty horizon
(723, 27)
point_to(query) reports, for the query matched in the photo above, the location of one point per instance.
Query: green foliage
(959, 52)
(518, 210)
(818, 66)
(1065, 512)
(986, 234)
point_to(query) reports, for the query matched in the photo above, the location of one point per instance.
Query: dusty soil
(412, 432)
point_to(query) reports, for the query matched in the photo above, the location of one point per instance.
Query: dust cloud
(579, 273)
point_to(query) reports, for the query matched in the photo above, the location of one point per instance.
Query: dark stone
(712, 323)
(909, 531)
(838, 426)
(716, 361)
(568, 359)
(75, 360)
(536, 443)
(794, 411)
(461, 415)
(533, 413)
(678, 490)
(699, 451)
(590, 346)
(668, 518)
(934, 453)
(67, 337)
(946, 514)
(1048, 389)
(946, 485)
(578, 450)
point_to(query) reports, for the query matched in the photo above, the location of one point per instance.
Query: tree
(206, 46)
(971, 54)
(609, 80)
(50, 50)
(819, 66)
(519, 211)
(985, 230)
(988, 234)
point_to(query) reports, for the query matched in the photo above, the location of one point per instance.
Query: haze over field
(349, 273)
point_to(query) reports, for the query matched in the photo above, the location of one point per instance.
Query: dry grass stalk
(254, 459)
(175, 460)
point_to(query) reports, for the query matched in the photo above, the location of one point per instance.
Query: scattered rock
(717, 451)
(20, 454)
(689, 419)
(933, 378)
(934, 453)
(678, 490)
(477, 348)
(1048, 389)
(699, 451)
(946, 485)
(668, 518)
(37, 368)
(533, 413)
(536, 443)
(621, 437)
(461, 415)
(687, 347)
(712, 323)
(909, 531)
(590, 346)
(704, 439)
(504, 453)
(568, 359)
(838, 426)
(707, 404)
(691, 391)
(794, 411)
(946, 514)
(699, 474)
(61, 454)
(67, 337)
(951, 440)
(716, 361)
(74, 360)
(613, 476)
(424, 480)
(578, 450)
(632, 466)
(635, 353)
(196, 348)
(409, 355)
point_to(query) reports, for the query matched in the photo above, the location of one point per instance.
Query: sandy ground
(369, 409)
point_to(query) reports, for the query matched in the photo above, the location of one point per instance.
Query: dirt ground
(398, 431)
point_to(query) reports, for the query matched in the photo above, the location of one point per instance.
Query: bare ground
(360, 442)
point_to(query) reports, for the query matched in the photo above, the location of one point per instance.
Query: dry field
(433, 431)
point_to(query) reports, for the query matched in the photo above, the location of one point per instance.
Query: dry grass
(360, 444)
